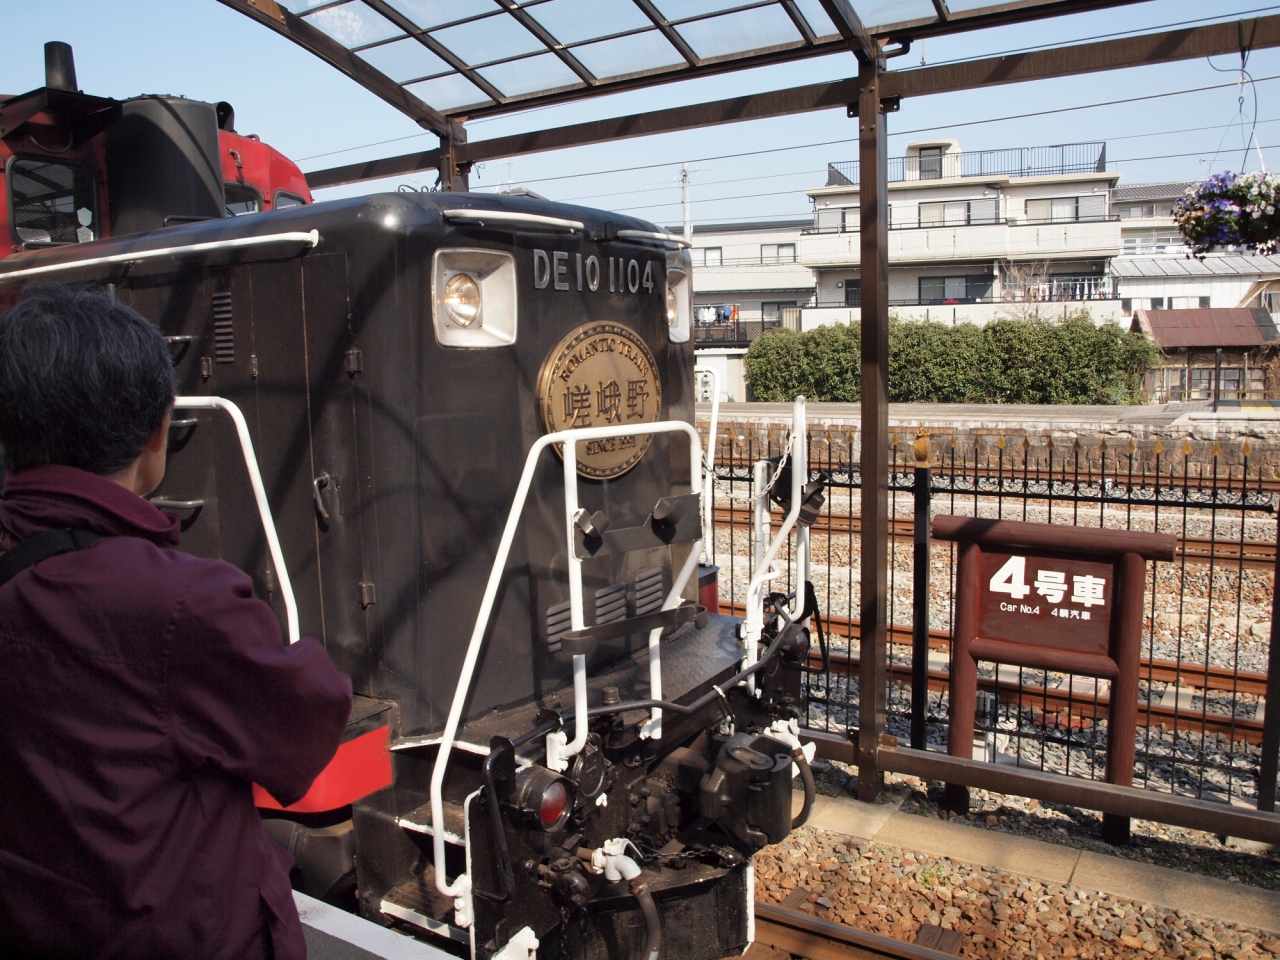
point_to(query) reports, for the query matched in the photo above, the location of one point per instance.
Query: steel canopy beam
(1212, 40)
(851, 29)
(1189, 44)
(271, 14)
(818, 96)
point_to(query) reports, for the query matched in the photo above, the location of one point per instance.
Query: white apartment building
(973, 235)
(746, 279)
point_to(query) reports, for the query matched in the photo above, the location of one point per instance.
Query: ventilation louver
(224, 336)
(649, 592)
(558, 621)
(611, 603)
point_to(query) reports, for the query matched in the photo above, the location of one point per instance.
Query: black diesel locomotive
(384, 367)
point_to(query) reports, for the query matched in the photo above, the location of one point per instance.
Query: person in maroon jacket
(142, 690)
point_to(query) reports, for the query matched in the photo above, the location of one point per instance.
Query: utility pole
(684, 200)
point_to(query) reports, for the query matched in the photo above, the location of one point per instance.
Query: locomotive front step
(455, 819)
(418, 902)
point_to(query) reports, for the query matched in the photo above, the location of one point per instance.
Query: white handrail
(259, 495)
(311, 238)
(709, 485)
(461, 887)
(653, 235)
(512, 216)
(754, 625)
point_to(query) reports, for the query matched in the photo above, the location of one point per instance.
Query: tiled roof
(1151, 191)
(1218, 327)
(1228, 265)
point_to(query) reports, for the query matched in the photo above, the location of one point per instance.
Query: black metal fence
(1207, 640)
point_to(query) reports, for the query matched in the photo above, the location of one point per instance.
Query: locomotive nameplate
(601, 374)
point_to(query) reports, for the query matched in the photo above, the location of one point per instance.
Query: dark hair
(84, 381)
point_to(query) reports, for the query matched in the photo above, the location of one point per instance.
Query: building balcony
(731, 333)
(1061, 160)
(1002, 240)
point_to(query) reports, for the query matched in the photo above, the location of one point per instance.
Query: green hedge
(1006, 361)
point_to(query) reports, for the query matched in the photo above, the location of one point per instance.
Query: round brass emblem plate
(601, 374)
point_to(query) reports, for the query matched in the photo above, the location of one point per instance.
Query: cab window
(242, 199)
(52, 202)
(286, 200)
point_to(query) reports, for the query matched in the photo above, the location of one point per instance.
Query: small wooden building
(1228, 350)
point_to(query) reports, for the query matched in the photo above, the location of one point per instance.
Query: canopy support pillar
(874, 460)
(455, 174)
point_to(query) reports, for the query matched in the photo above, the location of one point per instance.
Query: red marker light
(542, 798)
(554, 802)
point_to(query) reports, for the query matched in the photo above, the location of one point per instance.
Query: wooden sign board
(1060, 598)
(1062, 604)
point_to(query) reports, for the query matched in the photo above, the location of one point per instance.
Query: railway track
(802, 935)
(1253, 555)
(1074, 704)
(967, 470)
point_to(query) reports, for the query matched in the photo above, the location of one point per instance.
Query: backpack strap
(41, 547)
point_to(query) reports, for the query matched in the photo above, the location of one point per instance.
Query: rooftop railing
(1013, 162)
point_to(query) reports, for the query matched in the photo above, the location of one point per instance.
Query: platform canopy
(441, 60)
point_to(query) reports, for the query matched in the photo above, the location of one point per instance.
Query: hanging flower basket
(1230, 210)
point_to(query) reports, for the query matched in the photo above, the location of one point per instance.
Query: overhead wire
(899, 133)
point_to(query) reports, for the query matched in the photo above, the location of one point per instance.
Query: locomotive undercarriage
(692, 807)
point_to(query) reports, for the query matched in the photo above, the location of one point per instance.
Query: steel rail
(1255, 555)
(807, 936)
(1192, 675)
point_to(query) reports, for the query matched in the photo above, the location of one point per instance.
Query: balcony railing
(1086, 287)
(846, 220)
(1014, 162)
(731, 333)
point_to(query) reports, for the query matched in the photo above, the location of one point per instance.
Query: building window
(52, 202)
(1232, 381)
(955, 289)
(1157, 303)
(930, 163)
(853, 293)
(958, 213)
(777, 253)
(1257, 384)
(1201, 384)
(1067, 209)
(712, 256)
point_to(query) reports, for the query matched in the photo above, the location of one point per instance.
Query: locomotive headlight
(542, 798)
(679, 298)
(462, 299)
(473, 298)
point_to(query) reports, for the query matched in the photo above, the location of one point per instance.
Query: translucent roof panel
(624, 56)
(353, 24)
(451, 92)
(436, 13)
(302, 6)
(817, 18)
(404, 60)
(530, 74)
(489, 39)
(880, 13)
(683, 9)
(571, 21)
(474, 58)
(733, 33)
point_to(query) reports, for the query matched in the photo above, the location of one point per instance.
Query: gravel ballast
(892, 892)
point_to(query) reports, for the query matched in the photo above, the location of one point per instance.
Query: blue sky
(204, 50)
